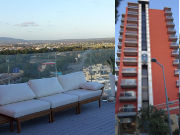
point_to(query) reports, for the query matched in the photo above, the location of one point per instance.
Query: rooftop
(92, 121)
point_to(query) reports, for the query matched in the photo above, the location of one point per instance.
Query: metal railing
(128, 82)
(128, 94)
(176, 61)
(130, 59)
(129, 70)
(127, 109)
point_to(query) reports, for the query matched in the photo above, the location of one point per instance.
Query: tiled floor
(91, 121)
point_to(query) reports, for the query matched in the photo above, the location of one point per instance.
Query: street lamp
(167, 103)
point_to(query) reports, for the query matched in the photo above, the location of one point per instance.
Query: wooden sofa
(49, 95)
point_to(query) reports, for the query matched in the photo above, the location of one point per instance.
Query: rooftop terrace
(92, 121)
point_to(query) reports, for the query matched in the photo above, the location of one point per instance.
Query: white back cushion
(15, 93)
(72, 81)
(45, 87)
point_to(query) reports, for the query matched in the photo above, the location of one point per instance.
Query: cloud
(27, 24)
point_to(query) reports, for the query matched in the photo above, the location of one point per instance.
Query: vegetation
(60, 49)
(153, 121)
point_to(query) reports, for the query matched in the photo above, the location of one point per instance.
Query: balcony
(120, 38)
(176, 72)
(122, 19)
(130, 61)
(173, 38)
(130, 51)
(170, 24)
(174, 45)
(168, 13)
(132, 20)
(129, 72)
(127, 96)
(175, 53)
(121, 31)
(126, 120)
(122, 25)
(169, 18)
(131, 34)
(119, 52)
(128, 83)
(132, 4)
(132, 27)
(133, 8)
(176, 62)
(118, 61)
(132, 14)
(119, 45)
(117, 70)
(171, 31)
(131, 42)
(177, 83)
(127, 112)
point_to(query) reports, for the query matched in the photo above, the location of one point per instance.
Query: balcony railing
(174, 45)
(131, 34)
(127, 112)
(120, 38)
(177, 83)
(176, 62)
(175, 53)
(121, 31)
(119, 52)
(129, 72)
(171, 31)
(128, 83)
(131, 42)
(132, 4)
(170, 24)
(169, 18)
(133, 8)
(118, 61)
(130, 51)
(127, 96)
(130, 61)
(132, 20)
(132, 27)
(132, 14)
(173, 38)
(168, 13)
(119, 45)
(122, 25)
(117, 70)
(176, 72)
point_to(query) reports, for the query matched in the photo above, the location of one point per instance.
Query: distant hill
(10, 40)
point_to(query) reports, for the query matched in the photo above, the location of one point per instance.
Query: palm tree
(153, 121)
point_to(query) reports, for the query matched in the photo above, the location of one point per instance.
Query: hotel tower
(145, 34)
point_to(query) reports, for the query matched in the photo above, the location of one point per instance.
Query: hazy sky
(154, 4)
(57, 19)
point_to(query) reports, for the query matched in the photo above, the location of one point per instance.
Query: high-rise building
(145, 34)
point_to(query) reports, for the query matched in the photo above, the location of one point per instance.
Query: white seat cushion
(20, 109)
(60, 99)
(84, 94)
(91, 86)
(14, 93)
(72, 81)
(45, 87)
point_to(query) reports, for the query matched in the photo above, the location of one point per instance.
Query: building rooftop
(92, 121)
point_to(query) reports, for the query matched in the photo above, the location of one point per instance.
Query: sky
(154, 4)
(57, 19)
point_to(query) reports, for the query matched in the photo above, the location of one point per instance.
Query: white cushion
(84, 94)
(72, 81)
(46, 86)
(14, 93)
(60, 100)
(91, 86)
(20, 109)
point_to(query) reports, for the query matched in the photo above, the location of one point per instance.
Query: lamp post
(167, 103)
